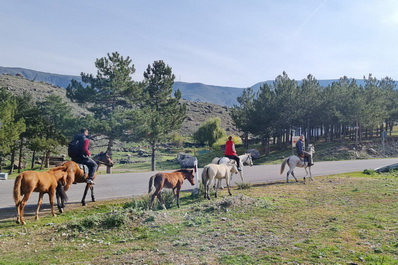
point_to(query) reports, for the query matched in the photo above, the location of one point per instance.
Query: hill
(197, 112)
(197, 92)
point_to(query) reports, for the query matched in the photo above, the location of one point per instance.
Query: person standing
(230, 151)
(83, 156)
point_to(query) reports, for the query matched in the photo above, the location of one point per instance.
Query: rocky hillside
(197, 112)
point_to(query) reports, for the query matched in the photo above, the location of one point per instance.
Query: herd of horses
(56, 181)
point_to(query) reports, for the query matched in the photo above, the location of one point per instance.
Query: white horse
(295, 161)
(245, 159)
(211, 172)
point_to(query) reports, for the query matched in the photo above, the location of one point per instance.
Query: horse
(295, 161)
(214, 171)
(75, 174)
(173, 180)
(43, 182)
(245, 159)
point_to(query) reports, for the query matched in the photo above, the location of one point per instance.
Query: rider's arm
(85, 147)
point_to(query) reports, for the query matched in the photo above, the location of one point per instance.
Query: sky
(235, 43)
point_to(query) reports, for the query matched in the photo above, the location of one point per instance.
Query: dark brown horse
(173, 180)
(42, 182)
(77, 175)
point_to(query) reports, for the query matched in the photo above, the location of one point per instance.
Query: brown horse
(173, 180)
(42, 182)
(77, 175)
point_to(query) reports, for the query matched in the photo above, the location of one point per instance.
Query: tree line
(121, 109)
(342, 110)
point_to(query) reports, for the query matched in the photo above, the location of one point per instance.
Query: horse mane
(185, 170)
(62, 167)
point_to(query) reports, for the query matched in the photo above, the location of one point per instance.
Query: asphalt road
(131, 184)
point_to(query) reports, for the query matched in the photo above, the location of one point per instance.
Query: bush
(209, 132)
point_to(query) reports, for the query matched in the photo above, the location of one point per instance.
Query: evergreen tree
(109, 95)
(11, 127)
(159, 113)
(242, 114)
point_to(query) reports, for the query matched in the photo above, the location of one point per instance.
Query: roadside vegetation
(339, 219)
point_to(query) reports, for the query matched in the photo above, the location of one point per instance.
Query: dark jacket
(300, 147)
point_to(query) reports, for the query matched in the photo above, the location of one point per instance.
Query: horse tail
(205, 175)
(17, 188)
(151, 181)
(61, 191)
(283, 165)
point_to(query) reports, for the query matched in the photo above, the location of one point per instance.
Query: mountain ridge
(195, 92)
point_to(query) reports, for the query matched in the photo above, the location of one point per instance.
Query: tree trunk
(20, 155)
(47, 159)
(12, 160)
(33, 159)
(153, 157)
(246, 140)
(109, 152)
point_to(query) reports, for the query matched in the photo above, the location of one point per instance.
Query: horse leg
(216, 189)
(309, 169)
(92, 193)
(241, 175)
(22, 204)
(228, 180)
(178, 196)
(84, 195)
(161, 201)
(294, 176)
(38, 205)
(306, 173)
(51, 197)
(207, 187)
(60, 200)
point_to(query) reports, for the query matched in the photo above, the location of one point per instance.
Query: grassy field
(340, 219)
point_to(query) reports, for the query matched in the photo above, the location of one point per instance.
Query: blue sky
(233, 43)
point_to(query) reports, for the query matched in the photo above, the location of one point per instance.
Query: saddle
(85, 170)
(303, 158)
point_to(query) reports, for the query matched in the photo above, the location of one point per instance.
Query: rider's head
(302, 137)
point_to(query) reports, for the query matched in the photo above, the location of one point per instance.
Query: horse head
(104, 158)
(249, 160)
(190, 176)
(311, 148)
(233, 167)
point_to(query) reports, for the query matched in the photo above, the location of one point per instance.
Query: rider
(84, 156)
(230, 151)
(301, 153)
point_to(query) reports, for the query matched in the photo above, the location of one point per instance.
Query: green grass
(339, 219)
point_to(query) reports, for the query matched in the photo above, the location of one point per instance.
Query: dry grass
(344, 219)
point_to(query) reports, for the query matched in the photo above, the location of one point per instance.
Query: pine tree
(159, 113)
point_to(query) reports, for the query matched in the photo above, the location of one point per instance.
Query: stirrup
(90, 181)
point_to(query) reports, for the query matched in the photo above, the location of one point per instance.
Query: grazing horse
(75, 174)
(42, 182)
(213, 171)
(173, 180)
(295, 161)
(245, 159)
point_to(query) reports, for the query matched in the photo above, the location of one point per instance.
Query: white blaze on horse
(295, 161)
(245, 159)
(211, 172)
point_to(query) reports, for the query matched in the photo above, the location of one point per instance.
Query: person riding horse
(230, 152)
(303, 154)
(83, 156)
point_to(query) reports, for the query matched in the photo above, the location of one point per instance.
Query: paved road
(129, 184)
